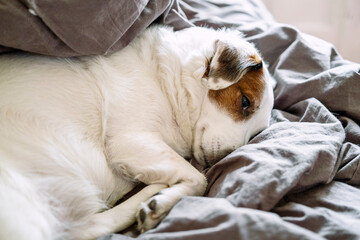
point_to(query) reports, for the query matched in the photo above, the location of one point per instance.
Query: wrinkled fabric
(299, 178)
(76, 28)
(286, 157)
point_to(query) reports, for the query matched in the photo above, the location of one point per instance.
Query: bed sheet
(299, 178)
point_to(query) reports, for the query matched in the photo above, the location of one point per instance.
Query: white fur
(76, 135)
(217, 134)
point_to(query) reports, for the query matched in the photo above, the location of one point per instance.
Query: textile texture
(298, 179)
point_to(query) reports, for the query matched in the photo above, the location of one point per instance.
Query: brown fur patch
(229, 66)
(252, 85)
(256, 58)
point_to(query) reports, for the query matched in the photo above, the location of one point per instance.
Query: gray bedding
(298, 179)
(68, 28)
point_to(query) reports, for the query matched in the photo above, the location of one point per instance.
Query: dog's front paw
(153, 211)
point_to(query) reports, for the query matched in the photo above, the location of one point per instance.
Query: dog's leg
(117, 218)
(147, 159)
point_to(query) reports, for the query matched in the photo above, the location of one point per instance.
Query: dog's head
(238, 102)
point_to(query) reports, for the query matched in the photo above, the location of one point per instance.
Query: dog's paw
(152, 212)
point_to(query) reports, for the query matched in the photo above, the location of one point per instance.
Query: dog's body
(76, 135)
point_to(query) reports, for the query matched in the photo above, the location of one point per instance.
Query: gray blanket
(69, 28)
(298, 179)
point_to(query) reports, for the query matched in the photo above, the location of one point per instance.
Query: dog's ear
(227, 66)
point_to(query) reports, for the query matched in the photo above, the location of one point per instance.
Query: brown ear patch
(251, 85)
(228, 63)
(256, 58)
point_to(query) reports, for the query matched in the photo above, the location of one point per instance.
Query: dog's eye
(245, 103)
(257, 66)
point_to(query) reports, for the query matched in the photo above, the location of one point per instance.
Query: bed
(299, 178)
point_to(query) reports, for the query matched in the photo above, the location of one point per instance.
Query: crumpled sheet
(68, 28)
(299, 178)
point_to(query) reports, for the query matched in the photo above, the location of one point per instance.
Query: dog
(77, 134)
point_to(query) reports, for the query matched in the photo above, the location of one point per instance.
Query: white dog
(77, 134)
